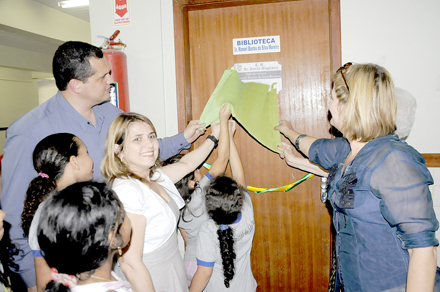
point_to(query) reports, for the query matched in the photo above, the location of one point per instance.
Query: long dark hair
(224, 201)
(50, 157)
(74, 227)
(182, 185)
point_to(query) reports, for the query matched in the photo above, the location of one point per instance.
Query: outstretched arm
(287, 130)
(193, 159)
(234, 158)
(219, 165)
(170, 146)
(299, 162)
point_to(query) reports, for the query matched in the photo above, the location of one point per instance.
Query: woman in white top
(151, 200)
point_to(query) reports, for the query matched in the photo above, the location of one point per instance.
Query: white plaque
(256, 45)
(261, 72)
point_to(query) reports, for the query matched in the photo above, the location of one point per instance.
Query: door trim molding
(432, 159)
(181, 43)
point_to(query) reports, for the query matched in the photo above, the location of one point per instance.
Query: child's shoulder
(208, 227)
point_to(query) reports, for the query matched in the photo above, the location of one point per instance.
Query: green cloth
(251, 104)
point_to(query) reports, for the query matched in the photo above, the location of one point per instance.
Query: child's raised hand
(231, 126)
(215, 130)
(225, 112)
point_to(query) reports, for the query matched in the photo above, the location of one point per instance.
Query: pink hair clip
(43, 175)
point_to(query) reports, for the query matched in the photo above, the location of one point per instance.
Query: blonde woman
(151, 200)
(377, 185)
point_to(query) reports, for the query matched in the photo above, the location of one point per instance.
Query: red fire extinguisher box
(118, 63)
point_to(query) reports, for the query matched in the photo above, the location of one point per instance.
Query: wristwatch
(213, 139)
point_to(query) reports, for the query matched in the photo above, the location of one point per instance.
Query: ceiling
(79, 12)
(24, 40)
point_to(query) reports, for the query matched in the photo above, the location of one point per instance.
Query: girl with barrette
(80, 230)
(225, 241)
(60, 160)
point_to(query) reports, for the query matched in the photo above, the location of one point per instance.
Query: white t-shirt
(118, 286)
(208, 252)
(139, 199)
(33, 239)
(195, 215)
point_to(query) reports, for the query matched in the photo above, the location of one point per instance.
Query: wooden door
(292, 244)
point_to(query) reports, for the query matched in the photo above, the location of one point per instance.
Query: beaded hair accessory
(65, 279)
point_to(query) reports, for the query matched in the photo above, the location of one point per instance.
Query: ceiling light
(73, 3)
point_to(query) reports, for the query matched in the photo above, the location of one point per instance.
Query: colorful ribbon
(285, 188)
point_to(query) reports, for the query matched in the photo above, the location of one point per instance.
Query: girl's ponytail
(224, 201)
(226, 239)
(50, 157)
(37, 191)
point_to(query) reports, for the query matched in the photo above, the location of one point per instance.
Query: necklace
(99, 278)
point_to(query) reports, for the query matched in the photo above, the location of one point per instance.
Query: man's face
(97, 87)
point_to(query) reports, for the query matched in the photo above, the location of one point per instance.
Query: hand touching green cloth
(251, 104)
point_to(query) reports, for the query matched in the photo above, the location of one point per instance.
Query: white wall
(404, 37)
(18, 95)
(150, 57)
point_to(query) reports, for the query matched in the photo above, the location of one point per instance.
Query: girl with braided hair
(225, 241)
(60, 160)
(80, 230)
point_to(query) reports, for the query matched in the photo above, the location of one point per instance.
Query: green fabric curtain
(251, 104)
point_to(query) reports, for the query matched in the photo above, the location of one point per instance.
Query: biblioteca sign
(256, 45)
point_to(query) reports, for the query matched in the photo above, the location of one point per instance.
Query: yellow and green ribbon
(285, 188)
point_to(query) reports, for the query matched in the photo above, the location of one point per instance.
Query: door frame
(181, 9)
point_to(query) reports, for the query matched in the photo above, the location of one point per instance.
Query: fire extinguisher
(118, 63)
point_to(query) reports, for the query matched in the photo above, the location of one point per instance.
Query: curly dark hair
(71, 61)
(51, 155)
(182, 185)
(8, 250)
(74, 228)
(224, 202)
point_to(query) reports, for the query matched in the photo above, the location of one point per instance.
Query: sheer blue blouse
(382, 206)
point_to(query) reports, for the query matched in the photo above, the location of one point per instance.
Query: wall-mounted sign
(121, 12)
(261, 72)
(256, 45)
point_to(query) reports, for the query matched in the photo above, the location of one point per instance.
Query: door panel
(292, 244)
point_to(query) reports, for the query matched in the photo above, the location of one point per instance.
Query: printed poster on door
(121, 12)
(269, 73)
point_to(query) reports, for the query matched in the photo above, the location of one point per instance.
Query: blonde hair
(112, 166)
(368, 104)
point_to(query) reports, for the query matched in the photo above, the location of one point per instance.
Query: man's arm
(171, 146)
(17, 172)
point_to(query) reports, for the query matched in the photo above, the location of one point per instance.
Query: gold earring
(119, 250)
